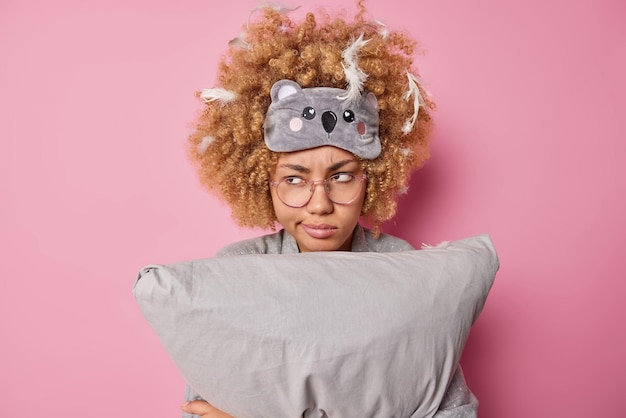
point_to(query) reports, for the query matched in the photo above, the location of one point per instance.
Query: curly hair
(227, 145)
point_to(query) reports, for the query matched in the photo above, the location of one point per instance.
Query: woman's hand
(203, 409)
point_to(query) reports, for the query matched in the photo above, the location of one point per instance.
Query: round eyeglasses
(341, 188)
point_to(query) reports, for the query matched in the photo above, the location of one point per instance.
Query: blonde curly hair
(227, 145)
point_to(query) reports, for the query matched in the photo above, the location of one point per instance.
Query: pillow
(332, 334)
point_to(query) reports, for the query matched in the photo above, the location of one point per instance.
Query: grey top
(459, 401)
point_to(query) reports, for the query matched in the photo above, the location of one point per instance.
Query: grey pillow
(337, 334)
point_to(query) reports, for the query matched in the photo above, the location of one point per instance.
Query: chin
(321, 245)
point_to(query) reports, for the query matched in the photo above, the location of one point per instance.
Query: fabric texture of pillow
(332, 334)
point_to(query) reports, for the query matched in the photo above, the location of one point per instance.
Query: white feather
(279, 7)
(418, 101)
(442, 244)
(222, 95)
(204, 144)
(240, 42)
(355, 77)
(383, 29)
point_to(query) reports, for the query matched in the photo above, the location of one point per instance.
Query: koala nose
(329, 120)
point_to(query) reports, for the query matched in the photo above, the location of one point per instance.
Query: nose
(319, 203)
(329, 120)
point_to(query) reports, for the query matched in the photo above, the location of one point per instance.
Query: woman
(315, 127)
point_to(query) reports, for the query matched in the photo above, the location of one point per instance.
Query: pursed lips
(319, 230)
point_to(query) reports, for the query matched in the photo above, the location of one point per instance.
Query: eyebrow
(302, 169)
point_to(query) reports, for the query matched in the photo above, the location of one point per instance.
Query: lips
(320, 231)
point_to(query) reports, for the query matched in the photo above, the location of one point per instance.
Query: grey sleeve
(191, 395)
(459, 401)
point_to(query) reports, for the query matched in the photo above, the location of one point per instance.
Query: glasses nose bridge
(314, 183)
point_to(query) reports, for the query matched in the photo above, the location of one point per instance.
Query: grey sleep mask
(299, 119)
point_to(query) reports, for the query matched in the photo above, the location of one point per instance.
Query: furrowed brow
(296, 167)
(340, 164)
(305, 170)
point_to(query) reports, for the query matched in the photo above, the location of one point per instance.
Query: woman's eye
(294, 181)
(341, 178)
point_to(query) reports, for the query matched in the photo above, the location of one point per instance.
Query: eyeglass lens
(340, 188)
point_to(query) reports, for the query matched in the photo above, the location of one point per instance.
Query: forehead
(321, 157)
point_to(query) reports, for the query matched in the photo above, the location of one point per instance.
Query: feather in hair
(278, 7)
(355, 77)
(204, 144)
(222, 95)
(240, 42)
(418, 101)
(383, 30)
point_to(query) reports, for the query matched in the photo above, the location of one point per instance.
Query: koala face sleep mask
(299, 119)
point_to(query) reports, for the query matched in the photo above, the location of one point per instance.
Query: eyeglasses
(341, 188)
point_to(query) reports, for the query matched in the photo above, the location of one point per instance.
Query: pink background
(96, 100)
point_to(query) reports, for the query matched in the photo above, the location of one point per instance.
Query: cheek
(360, 202)
(352, 212)
(275, 201)
(282, 212)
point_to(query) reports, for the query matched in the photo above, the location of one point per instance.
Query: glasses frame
(313, 185)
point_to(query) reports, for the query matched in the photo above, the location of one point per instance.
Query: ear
(372, 100)
(284, 88)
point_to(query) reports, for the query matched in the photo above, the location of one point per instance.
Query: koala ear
(284, 88)
(372, 100)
